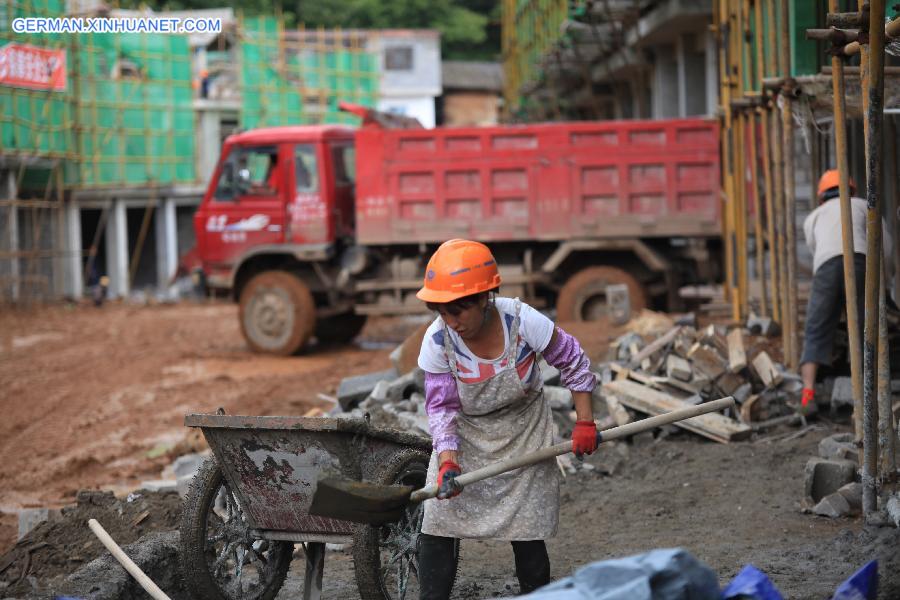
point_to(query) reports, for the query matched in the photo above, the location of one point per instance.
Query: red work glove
(446, 480)
(584, 438)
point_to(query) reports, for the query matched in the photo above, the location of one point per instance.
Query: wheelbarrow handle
(609, 435)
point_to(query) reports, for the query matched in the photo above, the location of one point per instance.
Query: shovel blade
(360, 501)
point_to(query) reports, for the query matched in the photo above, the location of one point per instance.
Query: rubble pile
(684, 365)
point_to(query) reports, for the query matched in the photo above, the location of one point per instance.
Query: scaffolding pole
(790, 201)
(840, 152)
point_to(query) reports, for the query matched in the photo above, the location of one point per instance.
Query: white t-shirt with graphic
(535, 331)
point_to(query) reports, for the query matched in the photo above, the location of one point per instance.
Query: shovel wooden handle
(609, 435)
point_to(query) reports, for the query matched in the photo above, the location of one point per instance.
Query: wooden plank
(737, 357)
(706, 360)
(654, 347)
(713, 426)
(766, 370)
(623, 374)
(678, 368)
(617, 411)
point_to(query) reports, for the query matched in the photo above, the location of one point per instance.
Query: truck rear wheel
(278, 313)
(583, 296)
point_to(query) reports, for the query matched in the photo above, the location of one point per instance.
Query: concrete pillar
(117, 249)
(681, 59)
(712, 74)
(10, 193)
(166, 243)
(73, 268)
(208, 142)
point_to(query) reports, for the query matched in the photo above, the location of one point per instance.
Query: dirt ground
(95, 399)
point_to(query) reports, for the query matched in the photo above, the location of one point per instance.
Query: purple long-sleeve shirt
(442, 402)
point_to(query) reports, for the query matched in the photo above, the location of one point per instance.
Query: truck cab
(284, 188)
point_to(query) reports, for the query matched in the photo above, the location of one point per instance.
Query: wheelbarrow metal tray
(274, 463)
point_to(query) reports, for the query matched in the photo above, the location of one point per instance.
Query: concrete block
(160, 485)
(404, 386)
(832, 505)
(842, 392)
(743, 392)
(187, 465)
(559, 398)
(839, 446)
(379, 392)
(852, 492)
(549, 373)
(352, 390)
(762, 326)
(29, 518)
(824, 477)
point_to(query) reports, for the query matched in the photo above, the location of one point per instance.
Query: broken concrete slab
(29, 518)
(353, 390)
(833, 505)
(763, 326)
(559, 398)
(549, 373)
(827, 476)
(839, 446)
(842, 392)
(852, 492)
(404, 386)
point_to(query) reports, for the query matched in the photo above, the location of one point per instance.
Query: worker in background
(485, 403)
(822, 229)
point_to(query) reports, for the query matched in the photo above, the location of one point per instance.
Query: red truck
(312, 228)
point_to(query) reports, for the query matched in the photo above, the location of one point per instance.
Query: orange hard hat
(459, 268)
(832, 179)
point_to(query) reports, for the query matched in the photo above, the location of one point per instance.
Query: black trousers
(826, 303)
(438, 562)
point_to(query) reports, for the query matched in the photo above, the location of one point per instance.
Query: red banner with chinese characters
(27, 66)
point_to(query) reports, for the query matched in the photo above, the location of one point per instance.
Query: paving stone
(353, 390)
(824, 476)
(839, 445)
(833, 505)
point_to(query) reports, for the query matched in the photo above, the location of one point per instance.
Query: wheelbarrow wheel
(219, 558)
(385, 556)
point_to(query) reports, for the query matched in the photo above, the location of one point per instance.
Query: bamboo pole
(778, 169)
(760, 242)
(740, 165)
(790, 204)
(840, 152)
(874, 117)
(767, 171)
(727, 148)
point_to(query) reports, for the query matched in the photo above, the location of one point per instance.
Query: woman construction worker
(485, 403)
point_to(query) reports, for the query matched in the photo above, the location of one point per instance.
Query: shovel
(375, 504)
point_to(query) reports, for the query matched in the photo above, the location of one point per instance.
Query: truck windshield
(250, 170)
(306, 171)
(344, 158)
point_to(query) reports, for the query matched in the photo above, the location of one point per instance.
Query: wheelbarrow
(248, 505)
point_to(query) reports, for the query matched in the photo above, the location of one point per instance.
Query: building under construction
(107, 139)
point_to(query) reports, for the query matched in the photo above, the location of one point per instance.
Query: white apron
(500, 419)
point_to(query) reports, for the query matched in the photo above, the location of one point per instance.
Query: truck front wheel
(277, 312)
(583, 296)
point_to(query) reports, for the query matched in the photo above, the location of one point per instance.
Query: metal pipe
(833, 35)
(891, 30)
(790, 204)
(840, 152)
(874, 117)
(846, 20)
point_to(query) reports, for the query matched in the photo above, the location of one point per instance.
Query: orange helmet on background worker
(832, 179)
(459, 268)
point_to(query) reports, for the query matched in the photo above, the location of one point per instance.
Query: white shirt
(822, 229)
(535, 331)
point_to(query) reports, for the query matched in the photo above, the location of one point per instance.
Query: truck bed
(552, 181)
